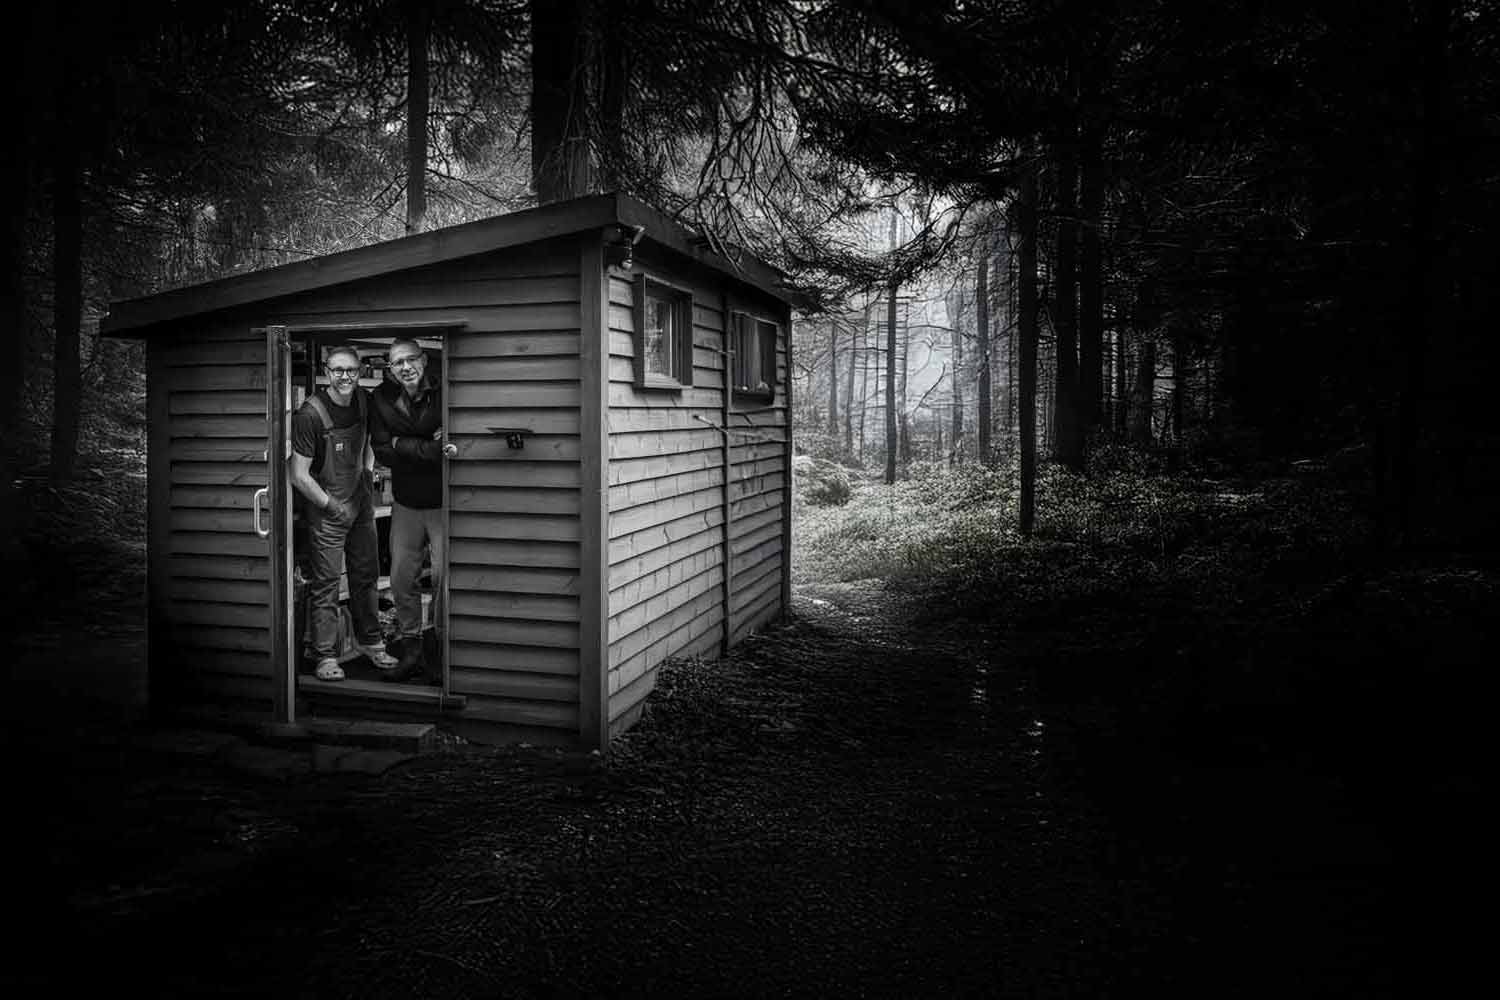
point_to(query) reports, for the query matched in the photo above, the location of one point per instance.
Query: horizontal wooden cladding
(754, 530)
(753, 505)
(187, 541)
(633, 470)
(520, 554)
(664, 442)
(518, 607)
(210, 378)
(744, 487)
(244, 590)
(658, 535)
(545, 318)
(636, 678)
(522, 395)
(705, 319)
(644, 491)
(504, 631)
(434, 291)
(516, 712)
(218, 566)
(248, 474)
(513, 579)
(222, 521)
(220, 402)
(461, 347)
(515, 685)
(476, 656)
(519, 473)
(635, 567)
(757, 615)
(646, 586)
(220, 662)
(207, 642)
(657, 512)
(651, 638)
(219, 689)
(536, 448)
(753, 583)
(696, 396)
(513, 369)
(211, 496)
(479, 420)
(248, 450)
(515, 527)
(240, 349)
(208, 612)
(512, 500)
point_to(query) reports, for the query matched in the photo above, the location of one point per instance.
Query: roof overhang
(136, 317)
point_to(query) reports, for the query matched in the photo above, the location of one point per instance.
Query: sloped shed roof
(137, 317)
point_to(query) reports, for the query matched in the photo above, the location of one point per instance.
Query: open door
(273, 521)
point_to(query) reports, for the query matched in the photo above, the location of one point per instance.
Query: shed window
(664, 335)
(754, 364)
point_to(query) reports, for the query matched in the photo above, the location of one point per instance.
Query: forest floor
(1103, 764)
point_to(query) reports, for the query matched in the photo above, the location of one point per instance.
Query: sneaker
(329, 670)
(377, 655)
(410, 664)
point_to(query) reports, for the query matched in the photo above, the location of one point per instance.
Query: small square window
(753, 369)
(664, 335)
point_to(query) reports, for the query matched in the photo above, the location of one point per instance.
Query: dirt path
(847, 806)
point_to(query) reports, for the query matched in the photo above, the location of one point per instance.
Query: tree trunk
(1091, 289)
(1067, 441)
(1180, 369)
(893, 290)
(1009, 398)
(958, 386)
(561, 165)
(67, 294)
(1027, 296)
(854, 345)
(1145, 394)
(418, 93)
(982, 331)
(833, 380)
(1122, 384)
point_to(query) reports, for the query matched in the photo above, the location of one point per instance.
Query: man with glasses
(406, 427)
(332, 467)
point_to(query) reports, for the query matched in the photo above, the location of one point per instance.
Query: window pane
(658, 344)
(766, 362)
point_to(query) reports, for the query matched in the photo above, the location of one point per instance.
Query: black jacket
(401, 430)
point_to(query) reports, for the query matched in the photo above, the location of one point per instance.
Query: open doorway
(408, 499)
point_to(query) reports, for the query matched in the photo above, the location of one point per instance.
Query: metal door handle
(260, 497)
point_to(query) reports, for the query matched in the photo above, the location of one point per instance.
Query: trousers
(412, 530)
(337, 545)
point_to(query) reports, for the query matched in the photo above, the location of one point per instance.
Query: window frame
(680, 350)
(767, 359)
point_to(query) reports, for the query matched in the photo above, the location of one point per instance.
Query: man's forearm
(309, 488)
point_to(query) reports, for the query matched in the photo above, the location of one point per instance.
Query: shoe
(410, 664)
(377, 655)
(329, 670)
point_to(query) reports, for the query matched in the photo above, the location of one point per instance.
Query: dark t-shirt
(307, 426)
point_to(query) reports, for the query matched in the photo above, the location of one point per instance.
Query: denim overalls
(334, 539)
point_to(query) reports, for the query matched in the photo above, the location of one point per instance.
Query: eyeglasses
(410, 361)
(342, 372)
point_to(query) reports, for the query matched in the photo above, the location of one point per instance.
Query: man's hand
(449, 448)
(340, 511)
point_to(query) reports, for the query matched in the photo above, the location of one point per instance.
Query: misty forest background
(1072, 272)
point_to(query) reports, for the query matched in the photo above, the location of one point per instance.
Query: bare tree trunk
(1122, 384)
(1027, 296)
(1180, 370)
(418, 93)
(982, 324)
(903, 429)
(833, 380)
(1091, 289)
(1067, 444)
(1145, 394)
(958, 386)
(891, 442)
(561, 165)
(854, 356)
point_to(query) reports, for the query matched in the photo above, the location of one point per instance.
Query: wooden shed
(619, 395)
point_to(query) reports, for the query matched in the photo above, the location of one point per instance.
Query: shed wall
(667, 504)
